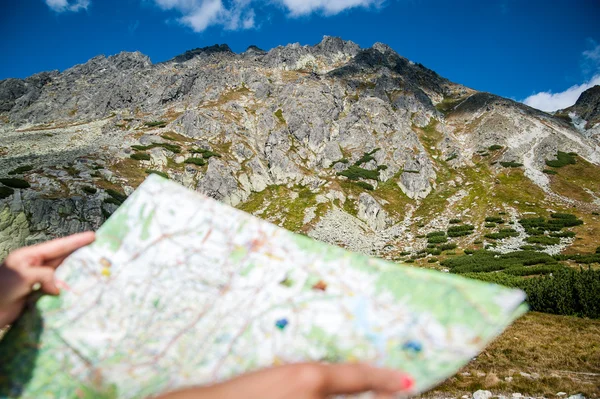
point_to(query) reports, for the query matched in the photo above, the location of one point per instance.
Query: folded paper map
(181, 290)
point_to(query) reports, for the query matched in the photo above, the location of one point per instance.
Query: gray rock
(481, 394)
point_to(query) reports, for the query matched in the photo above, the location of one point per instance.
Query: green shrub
(550, 172)
(434, 251)
(566, 292)
(490, 225)
(495, 147)
(365, 185)
(6, 192)
(140, 156)
(534, 270)
(196, 161)
(432, 260)
(598, 250)
(367, 157)
(382, 167)
(494, 219)
(342, 160)
(488, 261)
(543, 240)
(459, 231)
(436, 234)
(15, 183)
(116, 196)
(446, 247)
(279, 115)
(20, 170)
(167, 146)
(437, 239)
(503, 233)
(596, 213)
(511, 164)
(89, 189)
(562, 159)
(469, 251)
(156, 124)
(356, 172)
(455, 221)
(156, 172)
(451, 157)
(562, 234)
(206, 154)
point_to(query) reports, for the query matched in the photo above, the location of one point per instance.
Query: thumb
(45, 277)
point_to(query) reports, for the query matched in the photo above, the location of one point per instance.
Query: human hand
(305, 381)
(27, 267)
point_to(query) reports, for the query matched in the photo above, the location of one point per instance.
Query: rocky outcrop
(372, 213)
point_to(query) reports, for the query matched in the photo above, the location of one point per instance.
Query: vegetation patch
(367, 157)
(140, 156)
(20, 170)
(6, 192)
(460, 231)
(156, 124)
(543, 240)
(89, 190)
(451, 157)
(550, 172)
(115, 197)
(279, 116)
(494, 219)
(503, 233)
(437, 239)
(356, 172)
(167, 146)
(342, 160)
(495, 147)
(15, 183)
(206, 154)
(196, 161)
(365, 185)
(455, 221)
(562, 159)
(156, 172)
(511, 164)
(448, 246)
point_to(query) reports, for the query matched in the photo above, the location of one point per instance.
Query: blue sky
(544, 51)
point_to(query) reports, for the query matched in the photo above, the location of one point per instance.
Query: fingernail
(406, 382)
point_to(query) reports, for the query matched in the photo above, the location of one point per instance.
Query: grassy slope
(564, 351)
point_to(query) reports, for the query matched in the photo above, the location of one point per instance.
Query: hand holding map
(180, 290)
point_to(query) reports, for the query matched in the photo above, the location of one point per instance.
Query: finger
(355, 378)
(58, 248)
(44, 276)
(54, 263)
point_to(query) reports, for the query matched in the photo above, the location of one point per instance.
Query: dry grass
(226, 97)
(564, 351)
(572, 180)
(171, 115)
(176, 137)
(130, 170)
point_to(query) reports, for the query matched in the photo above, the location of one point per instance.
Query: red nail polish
(407, 382)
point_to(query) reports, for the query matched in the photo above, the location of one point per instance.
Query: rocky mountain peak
(585, 113)
(214, 49)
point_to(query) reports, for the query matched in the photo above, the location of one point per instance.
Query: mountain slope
(358, 147)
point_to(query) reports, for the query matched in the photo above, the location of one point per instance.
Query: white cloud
(549, 102)
(328, 7)
(240, 14)
(68, 5)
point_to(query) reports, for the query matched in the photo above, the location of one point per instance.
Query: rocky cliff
(358, 147)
